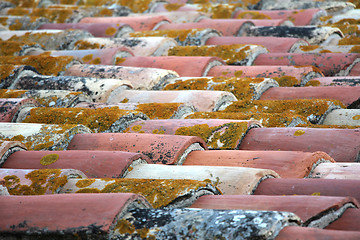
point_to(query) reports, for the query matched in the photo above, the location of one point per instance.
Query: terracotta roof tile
(11, 108)
(304, 233)
(349, 221)
(9, 147)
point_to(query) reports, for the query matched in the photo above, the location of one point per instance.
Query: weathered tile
(177, 16)
(349, 221)
(340, 144)
(349, 117)
(96, 29)
(336, 171)
(304, 233)
(10, 73)
(165, 149)
(3, 188)
(11, 108)
(288, 164)
(230, 180)
(95, 164)
(19, 48)
(184, 66)
(272, 44)
(338, 81)
(22, 22)
(41, 136)
(9, 147)
(319, 215)
(85, 215)
(168, 193)
(37, 181)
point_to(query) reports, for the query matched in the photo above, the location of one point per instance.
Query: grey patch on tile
(258, 183)
(342, 117)
(245, 27)
(4, 191)
(20, 71)
(309, 76)
(316, 17)
(296, 121)
(164, 48)
(5, 4)
(325, 218)
(159, 24)
(135, 163)
(7, 154)
(125, 121)
(23, 112)
(318, 162)
(126, 29)
(190, 197)
(224, 101)
(347, 71)
(121, 54)
(260, 88)
(297, 45)
(188, 150)
(183, 111)
(320, 119)
(191, 223)
(210, 65)
(120, 11)
(199, 38)
(163, 81)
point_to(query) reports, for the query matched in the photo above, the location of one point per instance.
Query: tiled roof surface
(179, 119)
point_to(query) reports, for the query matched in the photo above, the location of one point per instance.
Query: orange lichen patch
(355, 49)
(12, 48)
(325, 51)
(83, 44)
(225, 136)
(124, 227)
(98, 120)
(159, 192)
(219, 10)
(356, 117)
(17, 25)
(42, 181)
(240, 87)
(158, 110)
(173, 6)
(49, 159)
(231, 54)
(87, 58)
(309, 48)
(252, 15)
(96, 61)
(349, 40)
(137, 6)
(18, 11)
(136, 128)
(6, 70)
(105, 12)
(68, 2)
(299, 132)
(287, 81)
(25, 3)
(110, 31)
(309, 125)
(325, 18)
(177, 34)
(11, 93)
(53, 15)
(313, 83)
(84, 183)
(119, 60)
(44, 64)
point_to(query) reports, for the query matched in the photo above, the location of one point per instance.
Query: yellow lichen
(309, 48)
(316, 194)
(96, 61)
(49, 159)
(158, 110)
(83, 44)
(84, 183)
(252, 15)
(136, 128)
(349, 40)
(313, 83)
(110, 31)
(356, 117)
(299, 132)
(11, 93)
(180, 34)
(355, 49)
(119, 60)
(172, 6)
(124, 226)
(287, 81)
(87, 58)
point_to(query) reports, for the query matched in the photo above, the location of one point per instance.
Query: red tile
(330, 81)
(95, 164)
(9, 147)
(272, 44)
(184, 66)
(11, 108)
(304, 233)
(349, 221)
(288, 164)
(319, 215)
(96, 29)
(340, 144)
(337, 171)
(81, 214)
(314, 187)
(346, 94)
(138, 23)
(166, 149)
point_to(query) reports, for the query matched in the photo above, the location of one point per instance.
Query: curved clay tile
(177, 16)
(37, 181)
(327, 49)
(272, 44)
(43, 64)
(106, 56)
(96, 29)
(235, 54)
(302, 74)
(329, 64)
(138, 23)
(338, 81)
(227, 27)
(9, 73)
(242, 88)
(337, 171)
(349, 117)
(140, 78)
(142, 46)
(202, 100)
(204, 223)
(99, 90)
(11, 108)
(18, 48)
(346, 94)
(9, 147)
(312, 34)
(96, 164)
(50, 39)
(184, 66)
(48, 98)
(184, 37)
(302, 17)
(288, 164)
(217, 133)
(152, 110)
(340, 144)
(166, 149)
(41, 136)
(349, 221)
(98, 120)
(319, 215)
(83, 213)
(160, 193)
(230, 180)
(305, 233)
(314, 187)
